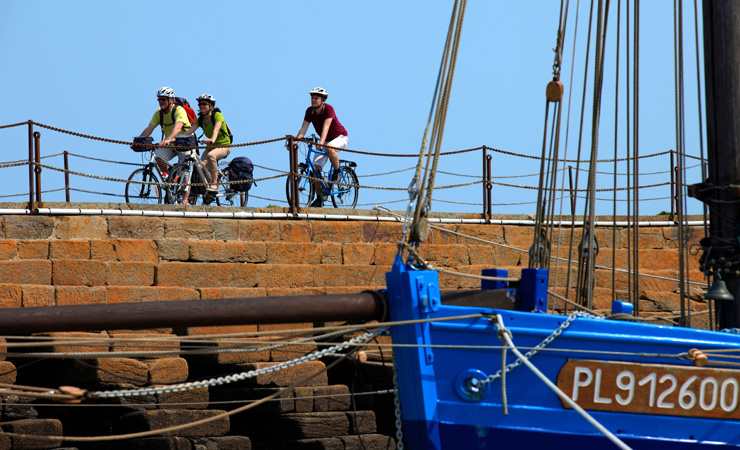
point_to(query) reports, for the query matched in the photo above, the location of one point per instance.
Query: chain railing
(487, 180)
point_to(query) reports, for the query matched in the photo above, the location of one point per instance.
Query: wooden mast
(722, 79)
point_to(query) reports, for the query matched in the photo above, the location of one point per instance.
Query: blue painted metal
(494, 284)
(533, 290)
(411, 298)
(443, 408)
(619, 307)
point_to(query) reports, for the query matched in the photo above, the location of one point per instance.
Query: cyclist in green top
(212, 122)
(173, 120)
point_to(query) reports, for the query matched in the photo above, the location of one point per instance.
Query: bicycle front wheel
(345, 195)
(181, 195)
(139, 191)
(306, 192)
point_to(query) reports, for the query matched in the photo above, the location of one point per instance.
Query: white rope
(618, 442)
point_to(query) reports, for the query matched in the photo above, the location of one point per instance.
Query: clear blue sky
(94, 67)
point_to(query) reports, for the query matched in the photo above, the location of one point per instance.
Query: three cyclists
(174, 121)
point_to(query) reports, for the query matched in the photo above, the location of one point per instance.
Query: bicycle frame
(148, 178)
(153, 158)
(326, 189)
(194, 162)
(307, 183)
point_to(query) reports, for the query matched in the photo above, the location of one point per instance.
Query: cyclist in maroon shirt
(324, 120)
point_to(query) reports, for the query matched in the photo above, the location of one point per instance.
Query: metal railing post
(572, 193)
(483, 177)
(31, 204)
(674, 191)
(37, 169)
(489, 187)
(293, 205)
(66, 175)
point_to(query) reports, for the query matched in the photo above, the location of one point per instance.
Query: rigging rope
(418, 230)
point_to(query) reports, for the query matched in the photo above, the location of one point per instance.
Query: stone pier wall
(99, 259)
(61, 260)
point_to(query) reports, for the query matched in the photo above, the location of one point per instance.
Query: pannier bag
(241, 169)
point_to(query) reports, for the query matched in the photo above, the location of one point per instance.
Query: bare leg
(214, 179)
(333, 157)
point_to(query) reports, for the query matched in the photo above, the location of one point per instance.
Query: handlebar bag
(142, 140)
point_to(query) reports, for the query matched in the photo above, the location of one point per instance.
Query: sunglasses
(162, 99)
(204, 104)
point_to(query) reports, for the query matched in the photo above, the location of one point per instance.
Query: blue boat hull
(442, 354)
(467, 437)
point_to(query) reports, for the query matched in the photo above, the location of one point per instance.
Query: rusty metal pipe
(191, 313)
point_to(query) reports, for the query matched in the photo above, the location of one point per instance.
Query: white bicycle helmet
(321, 92)
(207, 98)
(166, 92)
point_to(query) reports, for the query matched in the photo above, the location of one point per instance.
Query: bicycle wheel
(306, 192)
(180, 174)
(138, 192)
(345, 196)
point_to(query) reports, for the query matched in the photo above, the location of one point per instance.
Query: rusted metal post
(31, 204)
(483, 176)
(37, 169)
(66, 175)
(572, 194)
(674, 192)
(489, 186)
(294, 204)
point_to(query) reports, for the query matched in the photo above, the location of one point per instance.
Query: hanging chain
(397, 409)
(539, 346)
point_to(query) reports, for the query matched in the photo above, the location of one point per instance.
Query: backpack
(224, 128)
(179, 101)
(241, 168)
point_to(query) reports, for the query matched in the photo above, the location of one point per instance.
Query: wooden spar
(722, 80)
(190, 313)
